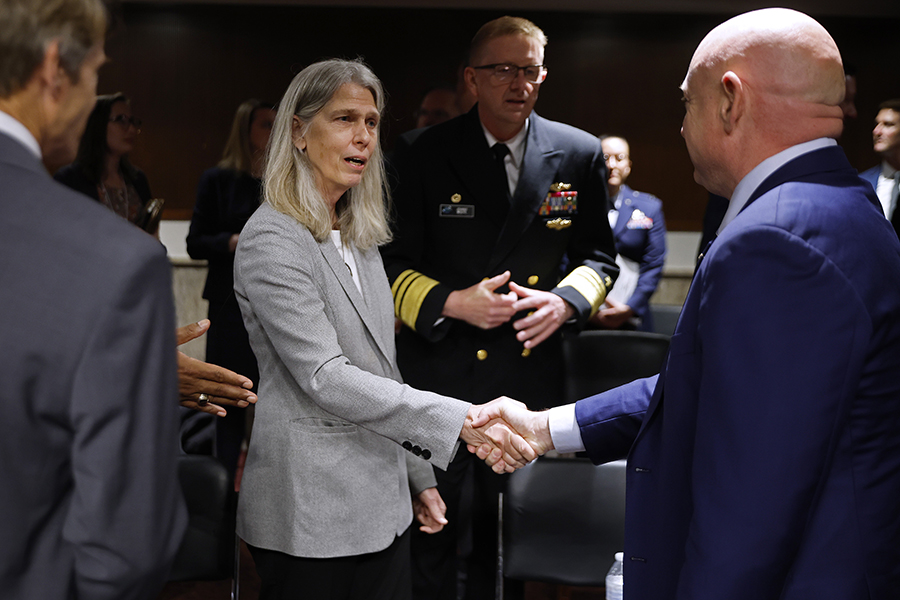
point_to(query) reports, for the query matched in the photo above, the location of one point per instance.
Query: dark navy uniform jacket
(455, 226)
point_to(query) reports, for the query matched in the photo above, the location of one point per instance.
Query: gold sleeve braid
(589, 284)
(409, 291)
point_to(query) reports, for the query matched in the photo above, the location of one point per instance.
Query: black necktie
(500, 151)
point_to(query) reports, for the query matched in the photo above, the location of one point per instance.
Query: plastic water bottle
(614, 579)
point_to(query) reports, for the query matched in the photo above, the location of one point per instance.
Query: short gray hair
(290, 185)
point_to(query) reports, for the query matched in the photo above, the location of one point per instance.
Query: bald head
(768, 79)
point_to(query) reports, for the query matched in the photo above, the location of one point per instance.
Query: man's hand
(549, 312)
(534, 427)
(480, 305)
(223, 387)
(613, 316)
(506, 450)
(429, 508)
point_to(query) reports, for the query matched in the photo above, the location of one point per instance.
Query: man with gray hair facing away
(88, 440)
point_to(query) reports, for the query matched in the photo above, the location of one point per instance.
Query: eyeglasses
(619, 157)
(125, 121)
(506, 72)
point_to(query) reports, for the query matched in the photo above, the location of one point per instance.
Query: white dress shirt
(886, 190)
(513, 160)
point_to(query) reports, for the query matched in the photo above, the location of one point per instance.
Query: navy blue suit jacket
(871, 176)
(767, 463)
(641, 237)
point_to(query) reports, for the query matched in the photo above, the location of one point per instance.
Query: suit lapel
(342, 272)
(539, 167)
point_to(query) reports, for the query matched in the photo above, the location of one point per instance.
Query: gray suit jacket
(331, 465)
(89, 496)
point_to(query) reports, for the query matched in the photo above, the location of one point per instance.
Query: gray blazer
(333, 458)
(89, 496)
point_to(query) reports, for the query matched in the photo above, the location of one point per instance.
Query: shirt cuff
(564, 430)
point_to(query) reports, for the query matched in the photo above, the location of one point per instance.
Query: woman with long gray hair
(338, 459)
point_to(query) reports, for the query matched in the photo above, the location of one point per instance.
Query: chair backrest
(597, 361)
(563, 521)
(664, 317)
(207, 551)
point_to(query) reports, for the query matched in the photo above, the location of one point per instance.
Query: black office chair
(210, 549)
(599, 360)
(561, 521)
(665, 317)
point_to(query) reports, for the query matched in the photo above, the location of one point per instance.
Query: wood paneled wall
(187, 67)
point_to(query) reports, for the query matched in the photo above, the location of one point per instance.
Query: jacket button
(417, 451)
(406, 445)
(533, 279)
(481, 354)
(426, 454)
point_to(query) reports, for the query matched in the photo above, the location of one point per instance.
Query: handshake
(505, 434)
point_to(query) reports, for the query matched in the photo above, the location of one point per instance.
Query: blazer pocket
(319, 425)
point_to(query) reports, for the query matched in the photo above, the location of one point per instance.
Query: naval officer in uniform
(488, 205)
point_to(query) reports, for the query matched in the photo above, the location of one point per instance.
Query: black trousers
(469, 540)
(383, 575)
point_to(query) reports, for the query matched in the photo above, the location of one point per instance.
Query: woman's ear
(297, 134)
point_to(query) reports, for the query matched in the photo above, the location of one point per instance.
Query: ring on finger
(203, 400)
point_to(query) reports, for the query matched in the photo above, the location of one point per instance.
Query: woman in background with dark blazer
(102, 170)
(226, 197)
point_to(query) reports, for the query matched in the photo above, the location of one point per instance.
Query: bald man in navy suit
(764, 460)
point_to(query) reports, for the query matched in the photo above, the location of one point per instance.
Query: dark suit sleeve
(609, 422)
(592, 251)
(651, 266)
(784, 337)
(418, 299)
(206, 240)
(126, 518)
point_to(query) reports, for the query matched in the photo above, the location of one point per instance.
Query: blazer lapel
(342, 272)
(539, 167)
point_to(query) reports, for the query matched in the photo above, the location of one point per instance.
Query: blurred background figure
(885, 178)
(437, 106)
(639, 230)
(226, 197)
(102, 170)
